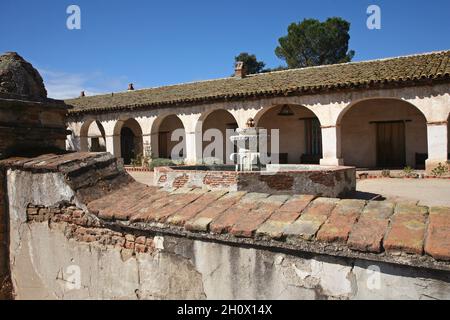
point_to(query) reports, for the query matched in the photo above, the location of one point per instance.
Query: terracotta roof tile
(407, 70)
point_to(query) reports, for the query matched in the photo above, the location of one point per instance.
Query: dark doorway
(391, 152)
(128, 150)
(162, 145)
(313, 142)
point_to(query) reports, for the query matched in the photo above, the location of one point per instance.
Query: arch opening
(131, 143)
(225, 124)
(168, 133)
(300, 136)
(384, 133)
(92, 137)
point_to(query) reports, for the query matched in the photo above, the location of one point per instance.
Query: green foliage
(440, 170)
(140, 161)
(251, 64)
(386, 173)
(409, 172)
(161, 162)
(314, 43)
(136, 162)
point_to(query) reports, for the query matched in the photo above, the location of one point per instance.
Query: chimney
(130, 87)
(82, 94)
(239, 70)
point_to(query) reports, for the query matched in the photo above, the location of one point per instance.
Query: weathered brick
(202, 221)
(304, 228)
(249, 222)
(340, 223)
(140, 240)
(368, 233)
(129, 245)
(145, 208)
(407, 229)
(313, 217)
(286, 214)
(117, 205)
(226, 220)
(437, 243)
(176, 203)
(140, 248)
(192, 209)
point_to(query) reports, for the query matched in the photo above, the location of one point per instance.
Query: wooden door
(391, 151)
(162, 145)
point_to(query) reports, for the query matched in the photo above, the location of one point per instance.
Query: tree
(251, 64)
(314, 43)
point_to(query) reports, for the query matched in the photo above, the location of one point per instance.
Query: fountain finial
(250, 123)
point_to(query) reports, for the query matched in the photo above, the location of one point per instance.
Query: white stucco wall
(432, 101)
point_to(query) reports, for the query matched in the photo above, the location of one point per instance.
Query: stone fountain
(248, 157)
(253, 174)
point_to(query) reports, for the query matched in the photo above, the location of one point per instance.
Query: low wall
(73, 236)
(51, 260)
(321, 181)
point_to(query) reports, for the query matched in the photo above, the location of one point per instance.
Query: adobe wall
(169, 267)
(330, 182)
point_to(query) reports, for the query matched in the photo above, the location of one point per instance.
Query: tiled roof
(407, 70)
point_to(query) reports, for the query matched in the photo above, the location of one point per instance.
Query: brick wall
(328, 183)
(83, 227)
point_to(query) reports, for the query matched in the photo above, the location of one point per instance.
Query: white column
(437, 144)
(331, 146)
(194, 147)
(113, 145)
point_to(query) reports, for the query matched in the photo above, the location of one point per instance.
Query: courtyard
(166, 163)
(426, 192)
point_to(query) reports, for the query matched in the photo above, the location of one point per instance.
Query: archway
(300, 136)
(383, 133)
(168, 131)
(92, 137)
(224, 122)
(130, 134)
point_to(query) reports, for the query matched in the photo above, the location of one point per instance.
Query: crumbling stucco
(45, 263)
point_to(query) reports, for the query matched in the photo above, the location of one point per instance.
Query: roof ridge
(269, 73)
(359, 62)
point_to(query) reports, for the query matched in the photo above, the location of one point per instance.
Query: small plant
(386, 173)
(440, 170)
(136, 162)
(139, 161)
(408, 171)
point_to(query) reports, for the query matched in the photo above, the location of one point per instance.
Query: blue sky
(153, 43)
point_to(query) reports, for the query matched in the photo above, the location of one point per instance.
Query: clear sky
(154, 43)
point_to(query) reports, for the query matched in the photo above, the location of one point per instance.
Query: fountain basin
(316, 180)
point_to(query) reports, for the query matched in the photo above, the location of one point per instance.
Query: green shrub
(386, 173)
(160, 162)
(440, 170)
(408, 171)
